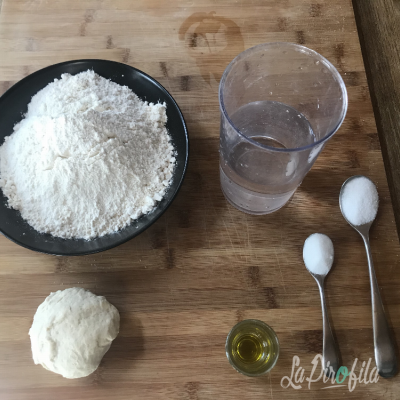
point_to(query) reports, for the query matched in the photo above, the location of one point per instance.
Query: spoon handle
(385, 356)
(330, 353)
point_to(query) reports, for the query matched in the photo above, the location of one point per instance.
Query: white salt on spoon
(359, 200)
(318, 258)
(318, 253)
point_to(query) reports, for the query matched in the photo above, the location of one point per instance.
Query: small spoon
(330, 352)
(385, 356)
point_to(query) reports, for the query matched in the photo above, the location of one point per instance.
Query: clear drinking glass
(280, 103)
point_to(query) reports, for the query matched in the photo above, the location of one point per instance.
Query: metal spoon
(330, 352)
(385, 356)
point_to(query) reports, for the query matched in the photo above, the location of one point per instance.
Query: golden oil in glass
(252, 347)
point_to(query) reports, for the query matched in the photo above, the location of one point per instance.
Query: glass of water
(280, 103)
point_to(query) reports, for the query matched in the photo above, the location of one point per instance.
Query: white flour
(88, 158)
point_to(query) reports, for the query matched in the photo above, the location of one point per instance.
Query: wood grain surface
(182, 284)
(378, 22)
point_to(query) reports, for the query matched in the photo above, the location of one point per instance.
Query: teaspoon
(330, 352)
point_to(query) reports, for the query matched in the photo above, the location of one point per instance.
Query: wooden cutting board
(204, 266)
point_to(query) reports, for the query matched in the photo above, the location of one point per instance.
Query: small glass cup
(252, 347)
(280, 103)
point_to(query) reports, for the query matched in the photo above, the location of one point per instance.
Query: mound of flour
(88, 158)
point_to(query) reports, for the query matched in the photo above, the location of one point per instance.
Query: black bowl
(13, 105)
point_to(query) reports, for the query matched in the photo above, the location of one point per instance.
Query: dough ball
(72, 330)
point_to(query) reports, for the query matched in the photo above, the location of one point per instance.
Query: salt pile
(318, 253)
(360, 201)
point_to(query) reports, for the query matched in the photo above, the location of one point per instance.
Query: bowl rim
(29, 77)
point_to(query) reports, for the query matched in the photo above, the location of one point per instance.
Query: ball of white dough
(72, 330)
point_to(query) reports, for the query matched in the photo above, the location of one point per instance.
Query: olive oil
(249, 348)
(252, 347)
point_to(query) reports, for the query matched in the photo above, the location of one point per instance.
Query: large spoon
(385, 356)
(330, 353)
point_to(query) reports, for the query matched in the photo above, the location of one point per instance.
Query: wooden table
(378, 22)
(204, 266)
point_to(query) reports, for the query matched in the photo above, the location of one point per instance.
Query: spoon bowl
(362, 229)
